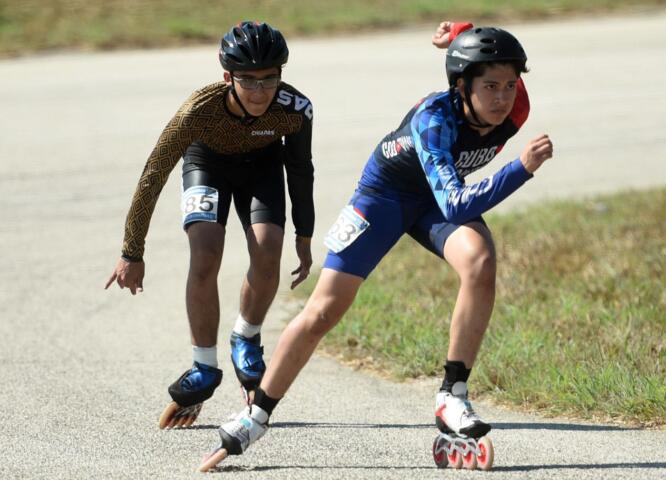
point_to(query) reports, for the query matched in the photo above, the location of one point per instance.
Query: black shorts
(255, 181)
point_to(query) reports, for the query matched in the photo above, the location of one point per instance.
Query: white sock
(245, 329)
(205, 355)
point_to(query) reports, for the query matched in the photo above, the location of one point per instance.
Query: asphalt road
(83, 371)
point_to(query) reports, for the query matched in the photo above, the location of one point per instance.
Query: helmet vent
(487, 40)
(489, 51)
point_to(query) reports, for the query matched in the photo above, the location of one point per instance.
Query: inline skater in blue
(414, 183)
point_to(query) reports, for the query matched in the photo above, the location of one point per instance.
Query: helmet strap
(467, 99)
(247, 116)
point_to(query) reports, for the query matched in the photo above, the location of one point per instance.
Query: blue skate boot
(247, 355)
(189, 392)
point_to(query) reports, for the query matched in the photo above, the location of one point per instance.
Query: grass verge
(34, 25)
(579, 326)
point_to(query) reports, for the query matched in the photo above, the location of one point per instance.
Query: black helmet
(480, 45)
(253, 46)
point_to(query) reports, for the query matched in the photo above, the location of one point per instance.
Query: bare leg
(201, 296)
(332, 297)
(264, 243)
(471, 252)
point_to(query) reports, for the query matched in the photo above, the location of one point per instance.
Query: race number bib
(199, 204)
(345, 230)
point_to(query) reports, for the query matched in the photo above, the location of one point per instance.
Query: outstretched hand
(128, 274)
(305, 257)
(440, 39)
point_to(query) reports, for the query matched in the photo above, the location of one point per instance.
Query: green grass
(579, 325)
(37, 25)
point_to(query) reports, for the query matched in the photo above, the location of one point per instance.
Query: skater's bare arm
(305, 257)
(128, 274)
(537, 151)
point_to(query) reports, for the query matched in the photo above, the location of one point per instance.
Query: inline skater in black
(235, 138)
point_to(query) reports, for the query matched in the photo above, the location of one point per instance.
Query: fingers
(302, 275)
(298, 281)
(443, 28)
(441, 36)
(542, 147)
(111, 279)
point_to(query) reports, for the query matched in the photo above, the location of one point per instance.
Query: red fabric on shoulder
(521, 106)
(458, 28)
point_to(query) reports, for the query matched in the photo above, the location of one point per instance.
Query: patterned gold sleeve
(174, 140)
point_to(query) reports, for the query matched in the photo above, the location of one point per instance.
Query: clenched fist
(537, 151)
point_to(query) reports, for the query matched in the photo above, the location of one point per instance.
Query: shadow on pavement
(580, 466)
(496, 426)
(516, 468)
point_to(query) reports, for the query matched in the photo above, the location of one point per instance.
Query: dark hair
(479, 69)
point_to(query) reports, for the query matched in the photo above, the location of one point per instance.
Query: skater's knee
(204, 265)
(320, 317)
(265, 264)
(265, 251)
(479, 267)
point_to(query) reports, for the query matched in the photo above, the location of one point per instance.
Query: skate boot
(462, 441)
(237, 435)
(247, 358)
(189, 392)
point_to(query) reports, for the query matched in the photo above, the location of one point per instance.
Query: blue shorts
(390, 215)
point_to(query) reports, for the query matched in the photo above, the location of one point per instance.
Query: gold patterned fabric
(205, 117)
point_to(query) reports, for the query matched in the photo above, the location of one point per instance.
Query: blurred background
(28, 26)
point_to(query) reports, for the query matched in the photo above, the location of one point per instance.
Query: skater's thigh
(438, 235)
(206, 241)
(470, 246)
(334, 293)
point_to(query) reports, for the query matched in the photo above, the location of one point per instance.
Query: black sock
(263, 401)
(455, 372)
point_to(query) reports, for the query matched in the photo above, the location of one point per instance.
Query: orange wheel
(167, 415)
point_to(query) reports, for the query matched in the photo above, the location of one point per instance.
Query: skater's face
(492, 94)
(255, 88)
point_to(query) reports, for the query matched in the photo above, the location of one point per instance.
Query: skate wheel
(469, 460)
(455, 459)
(175, 416)
(168, 414)
(439, 453)
(212, 460)
(486, 455)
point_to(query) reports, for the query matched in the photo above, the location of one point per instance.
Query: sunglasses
(251, 83)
